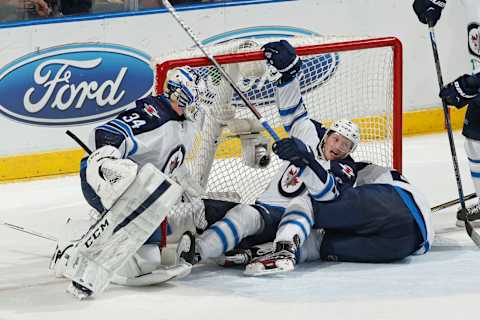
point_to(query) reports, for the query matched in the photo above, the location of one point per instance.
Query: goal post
(359, 79)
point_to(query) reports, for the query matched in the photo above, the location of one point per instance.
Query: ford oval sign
(73, 84)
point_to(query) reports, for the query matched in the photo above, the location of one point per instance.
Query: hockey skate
(186, 249)
(281, 260)
(473, 216)
(241, 257)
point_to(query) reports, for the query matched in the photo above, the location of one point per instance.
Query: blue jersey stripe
(475, 174)
(301, 116)
(473, 160)
(301, 214)
(271, 207)
(328, 188)
(129, 131)
(297, 223)
(290, 110)
(222, 237)
(233, 228)
(407, 199)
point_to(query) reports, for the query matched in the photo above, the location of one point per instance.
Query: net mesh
(353, 84)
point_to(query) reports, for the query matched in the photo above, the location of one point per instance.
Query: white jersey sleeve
(294, 115)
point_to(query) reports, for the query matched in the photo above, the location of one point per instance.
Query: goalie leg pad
(160, 275)
(123, 229)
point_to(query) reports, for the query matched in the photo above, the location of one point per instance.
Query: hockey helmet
(348, 129)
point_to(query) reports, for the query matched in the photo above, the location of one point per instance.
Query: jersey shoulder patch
(148, 114)
(344, 171)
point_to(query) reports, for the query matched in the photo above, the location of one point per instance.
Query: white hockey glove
(108, 175)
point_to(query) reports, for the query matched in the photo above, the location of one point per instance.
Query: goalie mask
(341, 139)
(182, 87)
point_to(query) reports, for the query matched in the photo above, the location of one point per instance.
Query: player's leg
(239, 222)
(384, 231)
(121, 231)
(360, 208)
(340, 246)
(471, 131)
(293, 229)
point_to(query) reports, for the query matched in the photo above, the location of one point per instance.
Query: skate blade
(258, 269)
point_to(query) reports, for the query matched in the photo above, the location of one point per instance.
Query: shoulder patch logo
(347, 170)
(473, 39)
(151, 111)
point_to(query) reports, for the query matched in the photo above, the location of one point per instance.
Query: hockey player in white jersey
(463, 91)
(132, 179)
(381, 219)
(322, 178)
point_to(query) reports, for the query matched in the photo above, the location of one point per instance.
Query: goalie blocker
(121, 231)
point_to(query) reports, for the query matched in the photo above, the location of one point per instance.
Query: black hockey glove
(293, 150)
(283, 57)
(429, 11)
(461, 91)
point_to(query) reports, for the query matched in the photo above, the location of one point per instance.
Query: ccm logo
(96, 233)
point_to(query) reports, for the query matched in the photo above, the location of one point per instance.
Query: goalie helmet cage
(358, 79)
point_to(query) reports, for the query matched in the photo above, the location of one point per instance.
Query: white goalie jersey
(151, 132)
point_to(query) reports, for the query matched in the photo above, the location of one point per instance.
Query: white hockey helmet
(348, 129)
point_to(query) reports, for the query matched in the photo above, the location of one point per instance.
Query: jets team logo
(473, 39)
(290, 185)
(175, 160)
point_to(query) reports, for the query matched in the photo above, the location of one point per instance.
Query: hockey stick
(225, 75)
(80, 142)
(468, 226)
(29, 231)
(452, 202)
(35, 233)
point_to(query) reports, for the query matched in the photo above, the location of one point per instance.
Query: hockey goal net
(357, 79)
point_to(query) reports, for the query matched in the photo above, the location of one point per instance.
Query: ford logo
(73, 84)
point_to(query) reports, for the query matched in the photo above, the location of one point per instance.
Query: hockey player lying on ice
(382, 219)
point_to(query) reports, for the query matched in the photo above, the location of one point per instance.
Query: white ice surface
(445, 284)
